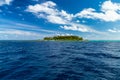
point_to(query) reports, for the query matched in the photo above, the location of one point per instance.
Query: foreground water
(23, 60)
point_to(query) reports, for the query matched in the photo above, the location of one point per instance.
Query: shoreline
(61, 40)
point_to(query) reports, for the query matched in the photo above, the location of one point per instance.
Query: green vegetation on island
(64, 38)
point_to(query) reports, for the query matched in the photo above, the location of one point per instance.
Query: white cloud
(109, 12)
(14, 34)
(34, 28)
(65, 34)
(114, 30)
(46, 7)
(48, 10)
(12, 30)
(21, 26)
(77, 21)
(56, 19)
(3, 2)
(77, 27)
(110, 30)
(18, 32)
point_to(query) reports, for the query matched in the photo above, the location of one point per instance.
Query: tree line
(64, 38)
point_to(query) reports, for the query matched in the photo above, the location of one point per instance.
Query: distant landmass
(64, 38)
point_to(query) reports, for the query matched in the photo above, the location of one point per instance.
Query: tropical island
(64, 38)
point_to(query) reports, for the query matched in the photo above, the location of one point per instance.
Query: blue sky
(35, 19)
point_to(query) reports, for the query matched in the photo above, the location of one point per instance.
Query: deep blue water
(27, 60)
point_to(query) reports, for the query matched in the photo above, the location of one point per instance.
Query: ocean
(55, 60)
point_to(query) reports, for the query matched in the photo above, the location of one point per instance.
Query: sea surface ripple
(50, 60)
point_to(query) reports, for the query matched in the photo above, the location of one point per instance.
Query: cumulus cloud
(81, 28)
(109, 12)
(48, 10)
(3, 2)
(77, 27)
(56, 19)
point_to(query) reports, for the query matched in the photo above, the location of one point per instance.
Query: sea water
(53, 60)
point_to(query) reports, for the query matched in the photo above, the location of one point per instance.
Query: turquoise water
(30, 60)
